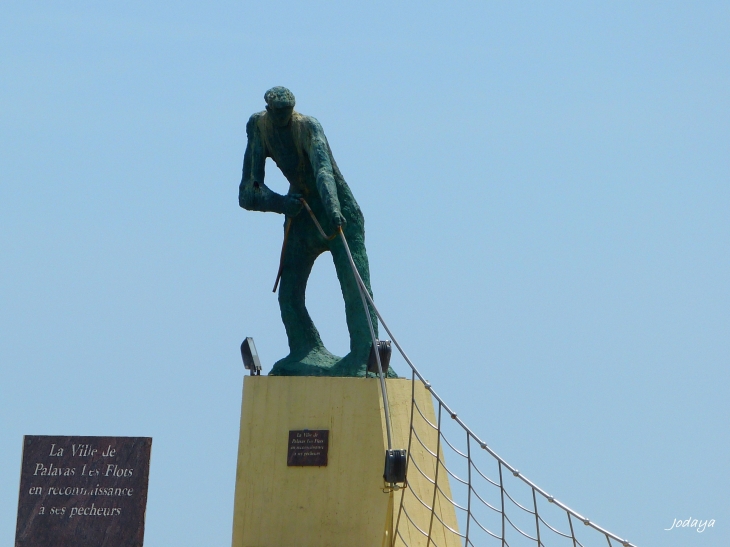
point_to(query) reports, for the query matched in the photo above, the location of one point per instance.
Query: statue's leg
(307, 354)
(297, 265)
(360, 339)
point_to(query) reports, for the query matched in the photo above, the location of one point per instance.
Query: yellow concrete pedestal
(342, 504)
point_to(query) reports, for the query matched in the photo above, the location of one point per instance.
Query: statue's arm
(318, 152)
(253, 194)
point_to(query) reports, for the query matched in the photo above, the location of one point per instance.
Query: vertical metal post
(501, 493)
(537, 518)
(410, 438)
(436, 475)
(468, 499)
(572, 534)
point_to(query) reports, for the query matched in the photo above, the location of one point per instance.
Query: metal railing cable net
(491, 509)
(478, 499)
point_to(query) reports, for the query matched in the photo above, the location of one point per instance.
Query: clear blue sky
(545, 187)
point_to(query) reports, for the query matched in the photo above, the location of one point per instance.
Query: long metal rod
(363, 294)
(363, 291)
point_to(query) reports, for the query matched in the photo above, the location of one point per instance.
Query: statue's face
(280, 116)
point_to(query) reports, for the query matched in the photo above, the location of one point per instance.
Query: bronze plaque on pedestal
(83, 491)
(308, 447)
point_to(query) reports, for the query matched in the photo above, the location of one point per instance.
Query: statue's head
(280, 105)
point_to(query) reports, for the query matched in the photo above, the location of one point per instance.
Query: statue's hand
(292, 204)
(338, 219)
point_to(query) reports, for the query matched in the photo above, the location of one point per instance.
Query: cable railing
(540, 528)
(475, 501)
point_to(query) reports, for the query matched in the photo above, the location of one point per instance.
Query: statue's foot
(355, 364)
(314, 362)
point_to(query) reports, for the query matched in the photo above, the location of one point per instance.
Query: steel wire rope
(398, 534)
(418, 438)
(429, 479)
(425, 534)
(401, 538)
(428, 422)
(553, 529)
(492, 507)
(490, 481)
(427, 506)
(417, 528)
(518, 529)
(476, 521)
(452, 502)
(518, 504)
(462, 481)
(451, 446)
(447, 526)
(362, 290)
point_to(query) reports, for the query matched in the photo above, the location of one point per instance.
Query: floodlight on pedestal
(384, 350)
(250, 357)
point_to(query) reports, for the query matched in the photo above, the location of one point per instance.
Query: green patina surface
(299, 148)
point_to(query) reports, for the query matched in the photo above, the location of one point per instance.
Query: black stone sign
(83, 491)
(308, 447)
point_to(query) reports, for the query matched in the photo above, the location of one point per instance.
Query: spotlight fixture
(395, 466)
(384, 350)
(250, 357)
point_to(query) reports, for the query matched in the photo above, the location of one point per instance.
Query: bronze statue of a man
(300, 149)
